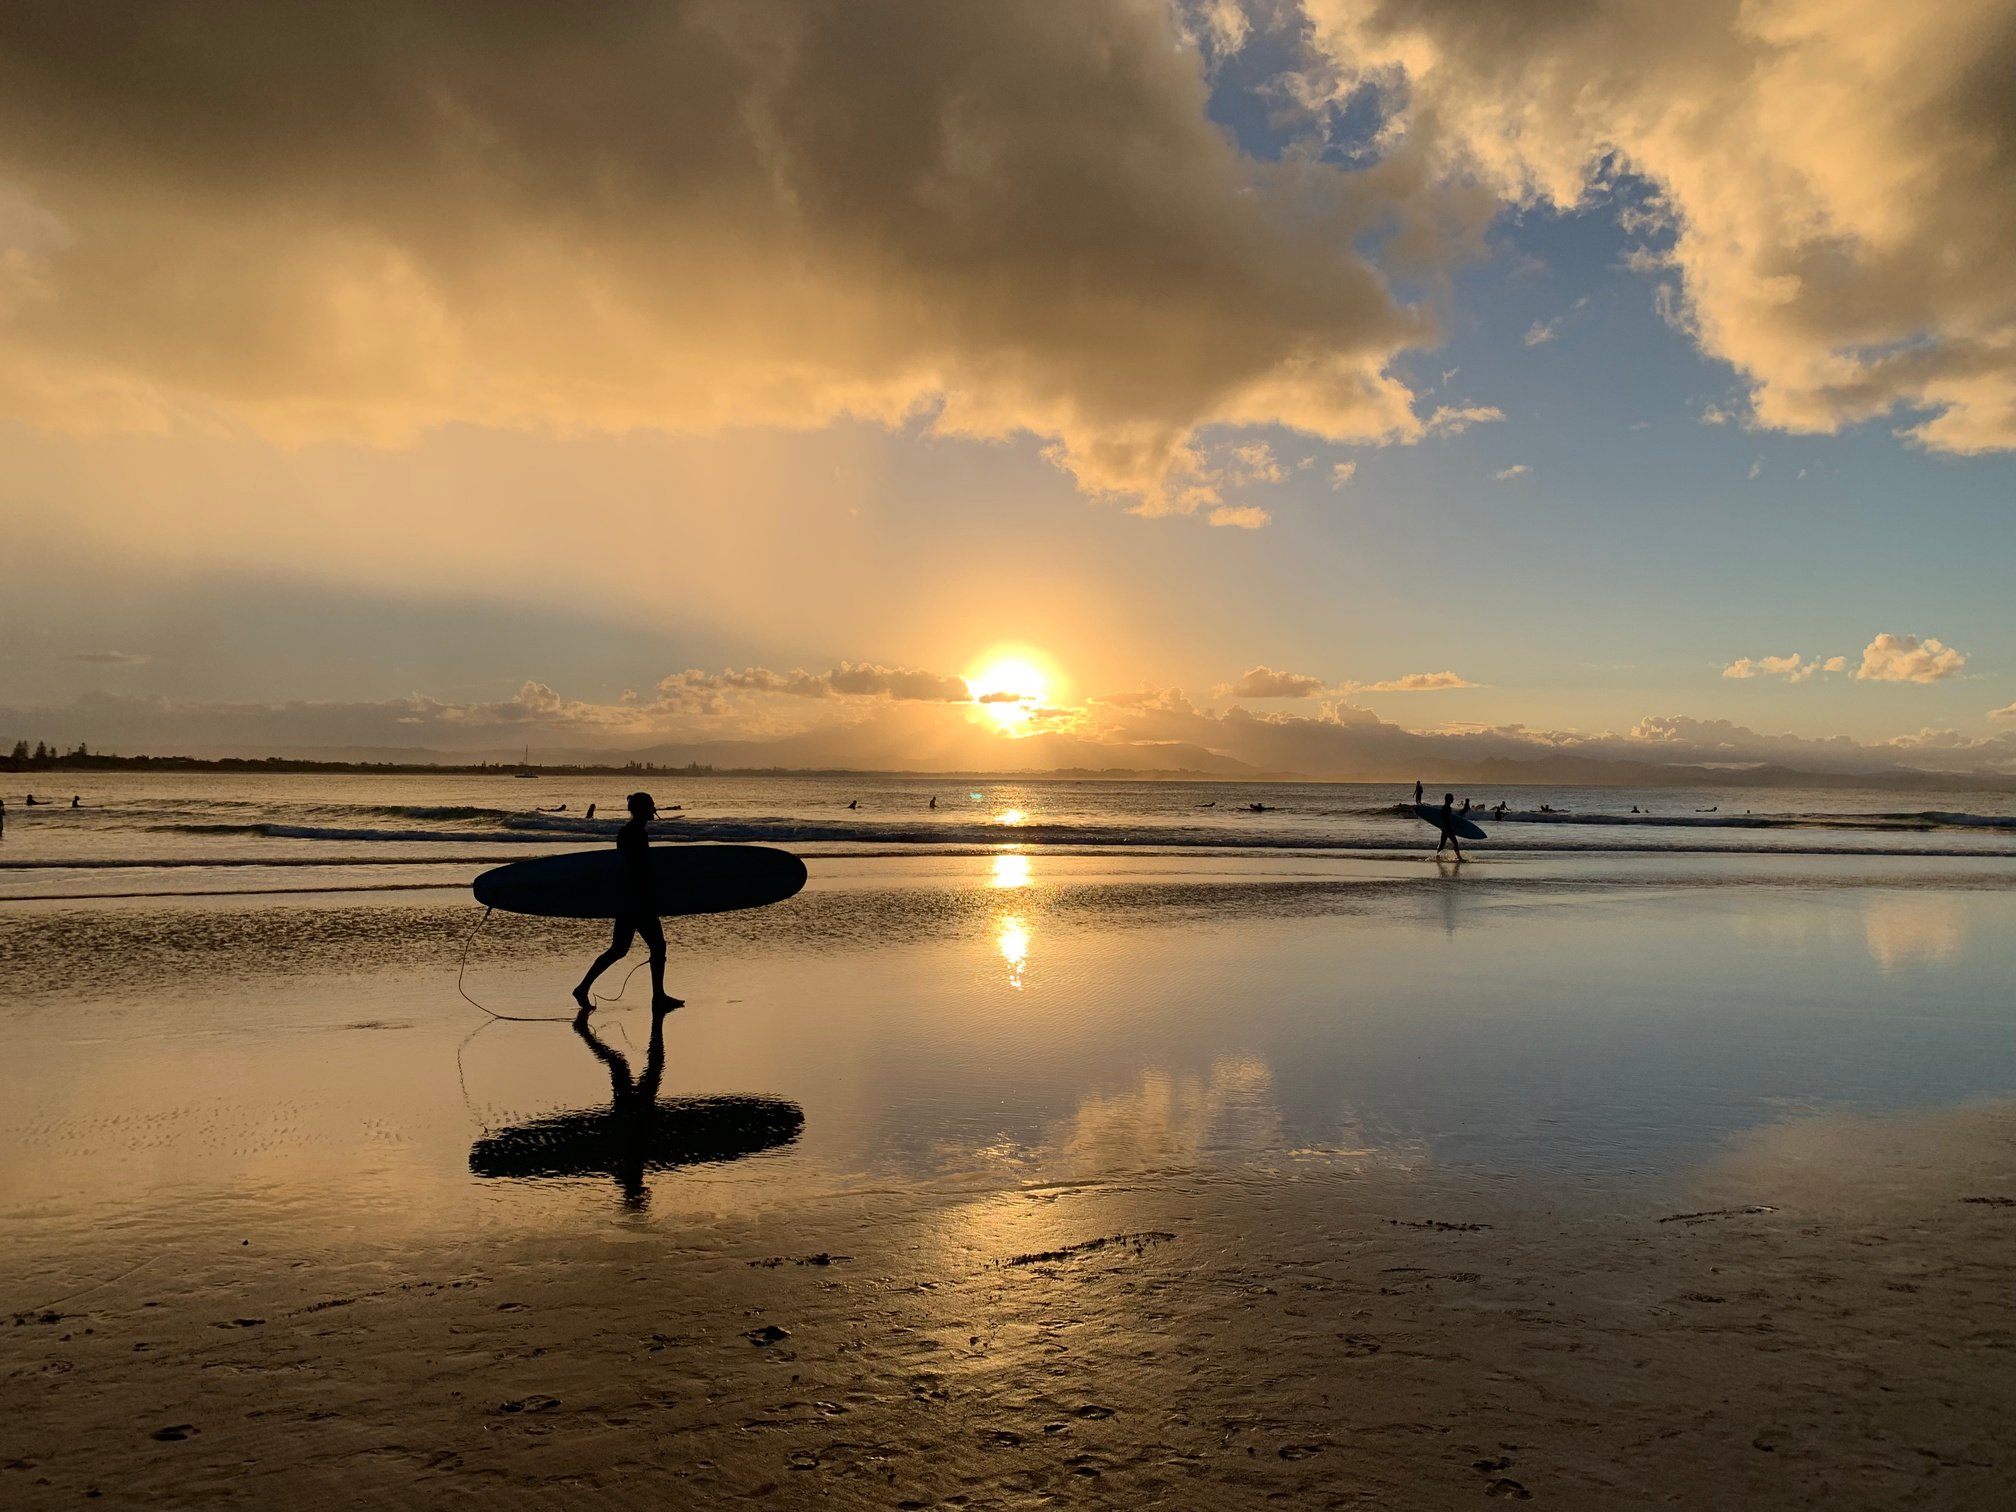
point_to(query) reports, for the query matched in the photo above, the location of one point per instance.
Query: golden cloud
(1835, 181)
(346, 222)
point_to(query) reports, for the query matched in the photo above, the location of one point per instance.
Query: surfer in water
(1449, 817)
(1417, 789)
(633, 844)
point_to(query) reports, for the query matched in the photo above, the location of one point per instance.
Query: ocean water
(263, 1004)
(142, 834)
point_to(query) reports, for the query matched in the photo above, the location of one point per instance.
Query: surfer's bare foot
(587, 1003)
(665, 1003)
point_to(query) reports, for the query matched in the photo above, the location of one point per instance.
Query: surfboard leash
(511, 1018)
(462, 968)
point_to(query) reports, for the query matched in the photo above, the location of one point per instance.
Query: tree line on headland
(42, 757)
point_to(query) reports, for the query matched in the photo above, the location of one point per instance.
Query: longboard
(685, 879)
(1431, 814)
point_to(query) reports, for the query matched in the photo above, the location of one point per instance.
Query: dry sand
(1833, 1326)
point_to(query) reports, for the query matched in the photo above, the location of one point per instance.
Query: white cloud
(1148, 697)
(1835, 664)
(1756, 469)
(1342, 473)
(112, 658)
(2007, 711)
(1517, 469)
(1834, 173)
(1265, 682)
(848, 680)
(1225, 23)
(1905, 658)
(1792, 668)
(1453, 420)
(1542, 331)
(1239, 517)
(1255, 462)
(1416, 682)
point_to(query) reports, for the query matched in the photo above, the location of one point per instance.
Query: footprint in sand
(1095, 1412)
(175, 1433)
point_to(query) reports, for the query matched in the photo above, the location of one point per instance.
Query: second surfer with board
(633, 845)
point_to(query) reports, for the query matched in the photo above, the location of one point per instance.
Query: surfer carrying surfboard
(1449, 820)
(633, 845)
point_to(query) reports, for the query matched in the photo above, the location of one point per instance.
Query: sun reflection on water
(1010, 871)
(1011, 816)
(1012, 939)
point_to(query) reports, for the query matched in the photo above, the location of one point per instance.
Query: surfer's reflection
(637, 1133)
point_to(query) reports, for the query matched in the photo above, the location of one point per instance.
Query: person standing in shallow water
(633, 847)
(1448, 817)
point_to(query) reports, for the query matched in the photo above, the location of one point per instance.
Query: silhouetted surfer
(633, 845)
(1449, 819)
(591, 811)
(1417, 789)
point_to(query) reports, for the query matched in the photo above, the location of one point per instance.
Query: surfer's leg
(619, 947)
(654, 941)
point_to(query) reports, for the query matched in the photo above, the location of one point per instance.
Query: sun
(1009, 690)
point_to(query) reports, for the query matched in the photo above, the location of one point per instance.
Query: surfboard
(1431, 814)
(685, 879)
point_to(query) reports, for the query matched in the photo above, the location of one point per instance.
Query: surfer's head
(642, 806)
(1448, 797)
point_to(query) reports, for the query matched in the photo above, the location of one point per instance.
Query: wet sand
(1335, 1340)
(1098, 1198)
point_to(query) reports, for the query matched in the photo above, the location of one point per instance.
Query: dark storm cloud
(365, 220)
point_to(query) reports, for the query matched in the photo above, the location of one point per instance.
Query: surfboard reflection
(637, 1133)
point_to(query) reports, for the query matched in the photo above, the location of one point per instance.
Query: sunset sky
(1320, 385)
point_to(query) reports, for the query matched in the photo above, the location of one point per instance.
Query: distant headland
(1557, 771)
